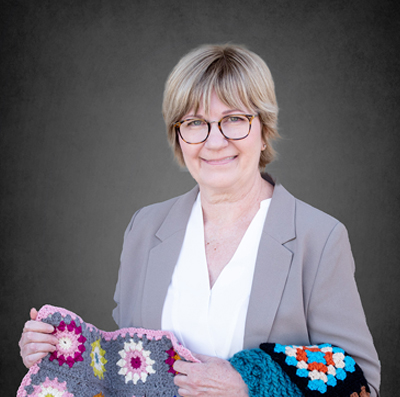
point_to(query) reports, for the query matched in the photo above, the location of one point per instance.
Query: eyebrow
(223, 113)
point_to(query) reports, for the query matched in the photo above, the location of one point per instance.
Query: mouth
(220, 161)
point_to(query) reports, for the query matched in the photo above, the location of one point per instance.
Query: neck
(229, 206)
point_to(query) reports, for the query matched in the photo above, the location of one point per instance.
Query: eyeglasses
(233, 127)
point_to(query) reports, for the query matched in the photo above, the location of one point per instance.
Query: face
(220, 164)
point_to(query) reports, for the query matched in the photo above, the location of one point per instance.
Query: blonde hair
(238, 76)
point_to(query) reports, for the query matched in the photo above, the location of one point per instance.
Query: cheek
(256, 144)
(179, 155)
(256, 136)
(189, 153)
(183, 150)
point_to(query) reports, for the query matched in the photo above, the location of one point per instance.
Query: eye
(195, 123)
(234, 119)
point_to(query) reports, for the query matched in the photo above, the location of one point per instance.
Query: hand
(36, 340)
(212, 377)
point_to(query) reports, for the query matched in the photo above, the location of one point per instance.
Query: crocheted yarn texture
(89, 362)
(320, 370)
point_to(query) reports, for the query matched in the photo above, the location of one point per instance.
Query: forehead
(220, 101)
(217, 105)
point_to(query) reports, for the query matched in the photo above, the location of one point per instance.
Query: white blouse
(212, 321)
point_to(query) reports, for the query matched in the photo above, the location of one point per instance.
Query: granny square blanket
(320, 370)
(137, 362)
(88, 362)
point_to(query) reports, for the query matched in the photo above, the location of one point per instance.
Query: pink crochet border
(46, 310)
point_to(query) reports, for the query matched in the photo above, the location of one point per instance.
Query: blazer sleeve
(118, 294)
(334, 310)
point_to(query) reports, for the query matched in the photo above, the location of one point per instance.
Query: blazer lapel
(272, 268)
(163, 258)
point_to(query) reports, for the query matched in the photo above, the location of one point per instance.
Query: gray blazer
(303, 289)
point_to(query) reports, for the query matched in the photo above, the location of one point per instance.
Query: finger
(33, 358)
(33, 313)
(38, 337)
(180, 380)
(37, 332)
(38, 326)
(184, 392)
(33, 352)
(183, 367)
(33, 348)
(183, 385)
(188, 387)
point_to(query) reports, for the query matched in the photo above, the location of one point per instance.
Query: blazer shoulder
(317, 228)
(310, 216)
(303, 219)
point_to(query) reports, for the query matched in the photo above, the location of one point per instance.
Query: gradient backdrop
(83, 143)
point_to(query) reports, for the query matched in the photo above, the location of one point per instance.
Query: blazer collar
(280, 222)
(178, 216)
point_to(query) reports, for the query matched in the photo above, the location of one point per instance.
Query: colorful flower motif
(51, 388)
(172, 357)
(70, 344)
(135, 362)
(99, 395)
(98, 360)
(323, 364)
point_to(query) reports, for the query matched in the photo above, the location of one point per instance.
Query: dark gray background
(83, 143)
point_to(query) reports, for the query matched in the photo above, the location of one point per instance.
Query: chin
(218, 182)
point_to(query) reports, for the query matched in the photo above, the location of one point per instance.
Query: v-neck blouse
(212, 321)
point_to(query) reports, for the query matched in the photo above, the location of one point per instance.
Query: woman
(237, 261)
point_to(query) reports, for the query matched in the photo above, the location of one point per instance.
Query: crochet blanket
(320, 370)
(137, 362)
(90, 362)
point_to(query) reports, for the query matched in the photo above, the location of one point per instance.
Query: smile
(221, 161)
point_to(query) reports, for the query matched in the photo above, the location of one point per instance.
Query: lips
(220, 161)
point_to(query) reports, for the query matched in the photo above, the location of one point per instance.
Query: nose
(215, 140)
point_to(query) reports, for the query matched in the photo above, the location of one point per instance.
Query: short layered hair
(239, 77)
